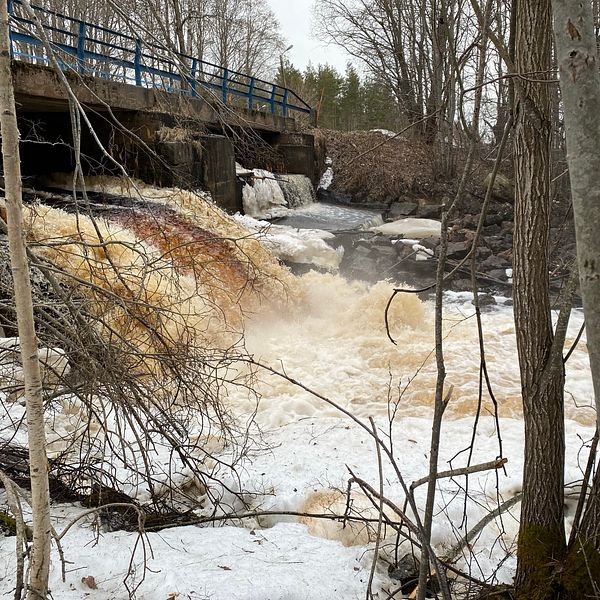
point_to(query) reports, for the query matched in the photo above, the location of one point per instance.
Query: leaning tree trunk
(580, 86)
(38, 463)
(542, 532)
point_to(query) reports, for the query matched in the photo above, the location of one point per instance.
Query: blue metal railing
(94, 50)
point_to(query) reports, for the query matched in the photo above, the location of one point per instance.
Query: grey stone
(458, 250)
(485, 300)
(401, 209)
(493, 219)
(483, 252)
(433, 211)
(494, 262)
(430, 242)
(503, 187)
(461, 285)
(498, 274)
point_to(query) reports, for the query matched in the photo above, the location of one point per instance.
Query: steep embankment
(403, 177)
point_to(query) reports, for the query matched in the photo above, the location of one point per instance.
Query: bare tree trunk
(38, 463)
(542, 531)
(580, 86)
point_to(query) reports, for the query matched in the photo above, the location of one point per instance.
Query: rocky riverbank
(412, 191)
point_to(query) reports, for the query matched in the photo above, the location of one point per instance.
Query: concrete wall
(162, 139)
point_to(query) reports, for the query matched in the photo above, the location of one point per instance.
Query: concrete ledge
(38, 88)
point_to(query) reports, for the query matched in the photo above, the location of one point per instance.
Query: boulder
(492, 230)
(461, 285)
(498, 274)
(503, 188)
(458, 250)
(431, 242)
(432, 211)
(494, 262)
(401, 209)
(485, 300)
(493, 219)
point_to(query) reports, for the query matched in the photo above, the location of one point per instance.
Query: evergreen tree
(351, 101)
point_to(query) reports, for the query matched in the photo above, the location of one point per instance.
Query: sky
(295, 18)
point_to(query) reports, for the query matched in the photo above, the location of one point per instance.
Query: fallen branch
(488, 466)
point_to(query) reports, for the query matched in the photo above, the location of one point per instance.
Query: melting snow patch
(304, 246)
(327, 177)
(411, 227)
(385, 132)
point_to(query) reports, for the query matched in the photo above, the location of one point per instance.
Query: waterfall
(298, 190)
(266, 195)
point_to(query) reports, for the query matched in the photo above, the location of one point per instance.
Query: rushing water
(323, 330)
(219, 278)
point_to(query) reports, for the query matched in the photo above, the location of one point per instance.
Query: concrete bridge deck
(169, 121)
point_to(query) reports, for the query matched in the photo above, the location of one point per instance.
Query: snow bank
(411, 228)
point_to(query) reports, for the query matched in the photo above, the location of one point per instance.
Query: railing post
(285, 100)
(273, 94)
(10, 9)
(193, 77)
(251, 94)
(138, 62)
(225, 85)
(81, 47)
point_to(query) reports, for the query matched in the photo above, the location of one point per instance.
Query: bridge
(144, 88)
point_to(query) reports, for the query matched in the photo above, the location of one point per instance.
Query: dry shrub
(149, 307)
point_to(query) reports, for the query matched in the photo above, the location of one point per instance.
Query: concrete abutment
(162, 139)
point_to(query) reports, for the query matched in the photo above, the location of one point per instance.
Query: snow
(304, 246)
(410, 227)
(264, 197)
(327, 177)
(385, 132)
(225, 563)
(334, 341)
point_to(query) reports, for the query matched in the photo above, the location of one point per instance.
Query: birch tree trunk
(38, 463)
(542, 542)
(580, 86)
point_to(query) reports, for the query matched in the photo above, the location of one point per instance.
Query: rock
(403, 250)
(401, 209)
(493, 230)
(470, 205)
(470, 222)
(458, 250)
(496, 243)
(493, 262)
(503, 187)
(406, 571)
(461, 285)
(508, 226)
(493, 219)
(360, 263)
(498, 274)
(431, 242)
(485, 300)
(457, 235)
(430, 211)
(483, 252)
